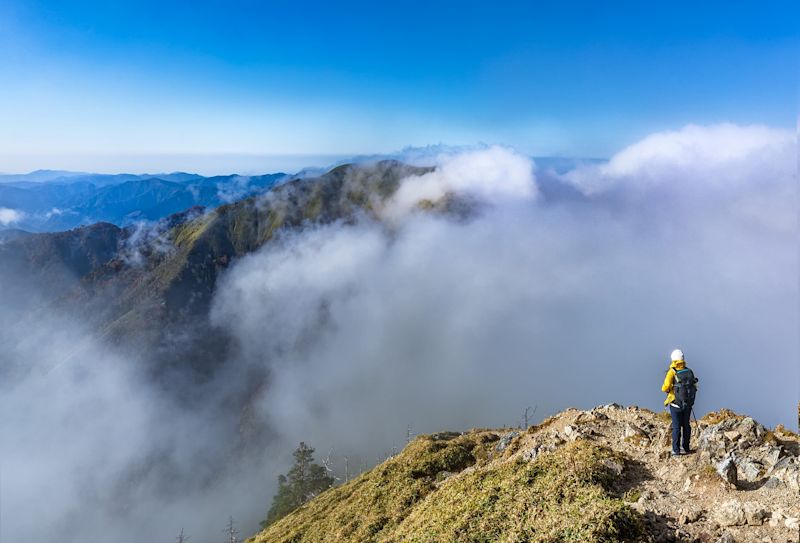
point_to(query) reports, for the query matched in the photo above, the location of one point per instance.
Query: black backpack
(685, 388)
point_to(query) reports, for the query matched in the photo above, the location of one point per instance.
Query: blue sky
(157, 85)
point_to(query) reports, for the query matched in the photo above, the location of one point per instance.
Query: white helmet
(677, 354)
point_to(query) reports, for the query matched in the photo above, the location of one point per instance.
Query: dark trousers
(680, 426)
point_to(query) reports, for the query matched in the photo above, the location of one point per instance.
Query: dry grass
(784, 431)
(715, 417)
(666, 417)
(560, 497)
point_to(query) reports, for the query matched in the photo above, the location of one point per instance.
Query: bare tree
(326, 463)
(346, 469)
(409, 435)
(182, 538)
(231, 533)
(526, 417)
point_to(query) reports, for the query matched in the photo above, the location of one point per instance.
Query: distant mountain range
(56, 200)
(49, 201)
(144, 273)
(149, 286)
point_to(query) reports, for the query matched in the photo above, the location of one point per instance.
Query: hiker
(680, 385)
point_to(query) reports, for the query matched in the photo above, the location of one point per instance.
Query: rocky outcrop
(747, 452)
(739, 484)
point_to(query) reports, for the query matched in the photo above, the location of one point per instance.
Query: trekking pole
(696, 424)
(697, 437)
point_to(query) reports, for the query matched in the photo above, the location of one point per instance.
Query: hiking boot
(675, 453)
(686, 451)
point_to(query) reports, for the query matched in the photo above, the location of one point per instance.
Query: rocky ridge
(604, 474)
(740, 483)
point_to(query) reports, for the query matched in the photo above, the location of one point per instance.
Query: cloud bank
(686, 239)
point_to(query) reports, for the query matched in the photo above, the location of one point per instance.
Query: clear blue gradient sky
(149, 85)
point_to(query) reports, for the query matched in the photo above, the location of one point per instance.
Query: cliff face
(599, 475)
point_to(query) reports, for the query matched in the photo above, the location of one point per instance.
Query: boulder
(785, 472)
(631, 430)
(732, 435)
(754, 514)
(730, 513)
(751, 432)
(712, 441)
(727, 470)
(505, 441)
(748, 469)
(772, 455)
(571, 433)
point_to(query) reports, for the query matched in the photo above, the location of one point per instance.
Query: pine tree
(304, 480)
(231, 533)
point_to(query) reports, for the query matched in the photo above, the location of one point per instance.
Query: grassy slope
(560, 497)
(181, 283)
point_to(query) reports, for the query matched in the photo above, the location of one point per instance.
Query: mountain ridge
(603, 474)
(123, 199)
(136, 286)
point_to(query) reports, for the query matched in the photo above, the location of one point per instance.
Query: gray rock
(773, 455)
(531, 454)
(754, 514)
(505, 441)
(777, 518)
(598, 415)
(784, 462)
(748, 469)
(712, 441)
(613, 466)
(631, 430)
(730, 513)
(751, 431)
(727, 470)
(726, 538)
(787, 472)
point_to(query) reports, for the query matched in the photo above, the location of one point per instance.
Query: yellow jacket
(669, 380)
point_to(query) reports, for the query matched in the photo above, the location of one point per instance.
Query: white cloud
(10, 216)
(695, 157)
(494, 174)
